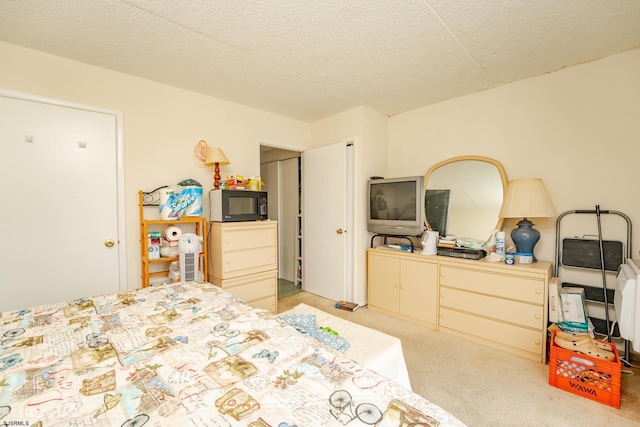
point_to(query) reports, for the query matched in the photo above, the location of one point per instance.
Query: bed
(187, 354)
(373, 349)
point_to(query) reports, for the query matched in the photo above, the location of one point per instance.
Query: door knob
(340, 231)
(109, 242)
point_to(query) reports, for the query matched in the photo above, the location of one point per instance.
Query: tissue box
(154, 238)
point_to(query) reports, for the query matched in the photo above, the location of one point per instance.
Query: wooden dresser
(404, 286)
(503, 306)
(244, 261)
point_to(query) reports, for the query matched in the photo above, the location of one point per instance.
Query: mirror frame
(497, 164)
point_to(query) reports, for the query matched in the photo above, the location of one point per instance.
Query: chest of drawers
(244, 261)
(503, 306)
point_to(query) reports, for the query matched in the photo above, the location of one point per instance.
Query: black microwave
(238, 205)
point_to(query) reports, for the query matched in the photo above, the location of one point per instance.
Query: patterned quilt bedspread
(186, 354)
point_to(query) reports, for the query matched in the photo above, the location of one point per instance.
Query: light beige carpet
(482, 386)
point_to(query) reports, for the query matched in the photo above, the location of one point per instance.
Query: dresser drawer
(249, 261)
(236, 240)
(520, 313)
(253, 287)
(513, 287)
(259, 289)
(510, 335)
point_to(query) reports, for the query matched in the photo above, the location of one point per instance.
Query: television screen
(437, 208)
(396, 206)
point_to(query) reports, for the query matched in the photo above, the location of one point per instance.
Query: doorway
(280, 171)
(335, 190)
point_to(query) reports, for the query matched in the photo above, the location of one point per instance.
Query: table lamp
(526, 198)
(216, 158)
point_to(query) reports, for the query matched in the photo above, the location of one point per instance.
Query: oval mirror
(463, 196)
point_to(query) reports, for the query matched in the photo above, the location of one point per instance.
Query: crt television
(396, 206)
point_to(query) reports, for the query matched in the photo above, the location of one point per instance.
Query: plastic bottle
(500, 236)
(491, 246)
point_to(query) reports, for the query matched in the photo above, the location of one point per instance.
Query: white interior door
(59, 182)
(326, 209)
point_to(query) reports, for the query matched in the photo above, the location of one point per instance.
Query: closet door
(58, 181)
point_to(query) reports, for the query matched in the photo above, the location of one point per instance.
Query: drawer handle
(537, 342)
(538, 291)
(537, 316)
(396, 285)
(227, 262)
(401, 287)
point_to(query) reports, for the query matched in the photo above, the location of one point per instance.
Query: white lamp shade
(216, 156)
(527, 198)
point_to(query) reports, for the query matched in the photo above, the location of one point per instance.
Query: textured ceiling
(309, 59)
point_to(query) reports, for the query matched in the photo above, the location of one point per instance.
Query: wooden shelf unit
(197, 225)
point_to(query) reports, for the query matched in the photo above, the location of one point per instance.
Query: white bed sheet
(373, 349)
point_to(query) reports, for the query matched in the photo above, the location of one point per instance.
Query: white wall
(162, 125)
(578, 129)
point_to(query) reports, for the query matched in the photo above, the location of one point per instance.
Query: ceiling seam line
(458, 41)
(351, 97)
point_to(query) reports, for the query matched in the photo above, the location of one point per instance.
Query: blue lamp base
(525, 237)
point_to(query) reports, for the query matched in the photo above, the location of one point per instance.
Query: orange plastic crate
(584, 375)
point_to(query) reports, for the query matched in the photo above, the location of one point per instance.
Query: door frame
(351, 219)
(275, 144)
(120, 188)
